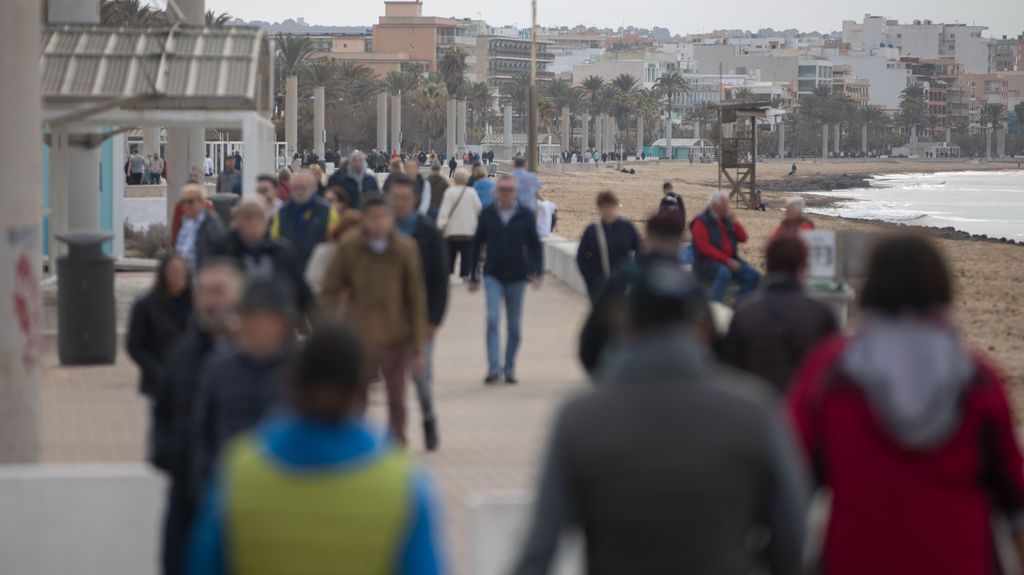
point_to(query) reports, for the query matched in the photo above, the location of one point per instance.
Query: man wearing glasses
(507, 231)
(202, 232)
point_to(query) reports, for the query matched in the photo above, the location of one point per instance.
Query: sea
(989, 203)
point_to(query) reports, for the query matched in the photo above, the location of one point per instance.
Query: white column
(696, 130)
(291, 115)
(639, 134)
(451, 125)
(566, 129)
(668, 138)
(185, 146)
(507, 121)
(585, 141)
(988, 142)
(150, 141)
(864, 139)
(382, 123)
(460, 124)
(396, 122)
(1000, 142)
(318, 121)
(84, 187)
(21, 222)
(835, 139)
(599, 133)
(913, 134)
(782, 139)
(824, 140)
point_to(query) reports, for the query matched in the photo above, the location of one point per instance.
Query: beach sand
(989, 276)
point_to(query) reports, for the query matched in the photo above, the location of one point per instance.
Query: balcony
(520, 54)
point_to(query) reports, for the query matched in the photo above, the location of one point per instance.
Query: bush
(150, 243)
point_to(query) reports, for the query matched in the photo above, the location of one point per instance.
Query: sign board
(822, 253)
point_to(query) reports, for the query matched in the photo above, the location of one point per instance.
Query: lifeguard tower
(739, 149)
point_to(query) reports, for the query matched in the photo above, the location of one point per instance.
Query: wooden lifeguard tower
(738, 143)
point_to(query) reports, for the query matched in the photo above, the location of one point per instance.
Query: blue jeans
(721, 277)
(512, 293)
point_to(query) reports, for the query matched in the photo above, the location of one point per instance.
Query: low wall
(82, 519)
(560, 261)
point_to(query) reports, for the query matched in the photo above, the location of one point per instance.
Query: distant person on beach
(795, 220)
(902, 423)
(792, 171)
(716, 239)
(672, 202)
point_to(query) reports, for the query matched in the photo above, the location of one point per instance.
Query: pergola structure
(99, 80)
(738, 158)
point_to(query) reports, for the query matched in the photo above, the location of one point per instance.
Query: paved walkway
(491, 436)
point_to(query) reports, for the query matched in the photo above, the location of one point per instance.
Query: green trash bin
(86, 319)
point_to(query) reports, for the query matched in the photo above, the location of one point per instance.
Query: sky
(1001, 16)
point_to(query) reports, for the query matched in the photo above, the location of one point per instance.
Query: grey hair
(797, 201)
(716, 197)
(461, 177)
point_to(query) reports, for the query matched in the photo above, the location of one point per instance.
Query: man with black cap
(673, 463)
(245, 379)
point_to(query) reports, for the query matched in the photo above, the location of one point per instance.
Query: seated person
(716, 239)
(795, 220)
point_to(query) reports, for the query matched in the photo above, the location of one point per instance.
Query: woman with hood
(356, 179)
(910, 430)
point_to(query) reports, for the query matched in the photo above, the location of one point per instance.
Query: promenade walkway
(491, 436)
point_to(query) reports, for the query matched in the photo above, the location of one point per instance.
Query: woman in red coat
(910, 431)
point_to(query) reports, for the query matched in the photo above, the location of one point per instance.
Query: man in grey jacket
(673, 463)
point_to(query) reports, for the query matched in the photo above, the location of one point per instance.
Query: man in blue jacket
(508, 232)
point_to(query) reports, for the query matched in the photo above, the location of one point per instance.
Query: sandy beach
(990, 276)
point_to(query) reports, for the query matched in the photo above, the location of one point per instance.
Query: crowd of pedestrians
(696, 450)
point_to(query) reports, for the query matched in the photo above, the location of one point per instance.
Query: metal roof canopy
(168, 76)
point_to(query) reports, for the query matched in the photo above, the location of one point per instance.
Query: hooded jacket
(914, 436)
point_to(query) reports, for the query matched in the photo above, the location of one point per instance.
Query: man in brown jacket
(376, 280)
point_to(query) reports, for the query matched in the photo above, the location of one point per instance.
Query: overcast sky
(1001, 16)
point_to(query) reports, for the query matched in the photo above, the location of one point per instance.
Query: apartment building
(920, 39)
(845, 82)
(1002, 55)
(499, 59)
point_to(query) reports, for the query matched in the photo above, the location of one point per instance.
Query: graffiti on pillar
(26, 296)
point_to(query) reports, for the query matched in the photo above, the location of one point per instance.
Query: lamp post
(531, 140)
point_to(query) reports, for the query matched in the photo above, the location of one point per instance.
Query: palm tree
(592, 85)
(217, 20)
(430, 101)
(993, 115)
(401, 82)
(742, 95)
(668, 85)
(452, 68)
(321, 72)
(516, 92)
(479, 99)
(291, 53)
(703, 113)
(913, 110)
(357, 82)
(625, 83)
(547, 114)
(131, 13)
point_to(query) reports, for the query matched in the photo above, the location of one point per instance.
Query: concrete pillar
(382, 122)
(186, 147)
(1000, 142)
(83, 187)
(988, 142)
(611, 131)
(781, 129)
(639, 134)
(864, 139)
(585, 140)
(291, 115)
(599, 133)
(451, 123)
(668, 138)
(835, 138)
(151, 141)
(507, 129)
(949, 134)
(396, 122)
(824, 140)
(318, 121)
(21, 222)
(696, 130)
(461, 109)
(913, 135)
(566, 129)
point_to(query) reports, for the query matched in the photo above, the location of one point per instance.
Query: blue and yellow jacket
(303, 497)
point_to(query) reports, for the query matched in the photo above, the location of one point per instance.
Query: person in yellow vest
(317, 489)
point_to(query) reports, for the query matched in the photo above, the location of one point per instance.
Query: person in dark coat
(305, 221)
(356, 178)
(157, 320)
(606, 245)
(434, 256)
(605, 323)
(217, 290)
(672, 202)
(264, 260)
(244, 380)
(453, 164)
(672, 461)
(507, 232)
(774, 329)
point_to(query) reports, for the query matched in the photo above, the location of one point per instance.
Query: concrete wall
(82, 519)
(560, 261)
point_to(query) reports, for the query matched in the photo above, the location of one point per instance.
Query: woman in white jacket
(456, 218)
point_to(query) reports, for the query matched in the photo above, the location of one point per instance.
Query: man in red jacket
(716, 259)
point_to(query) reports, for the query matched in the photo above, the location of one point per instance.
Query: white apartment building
(888, 77)
(921, 39)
